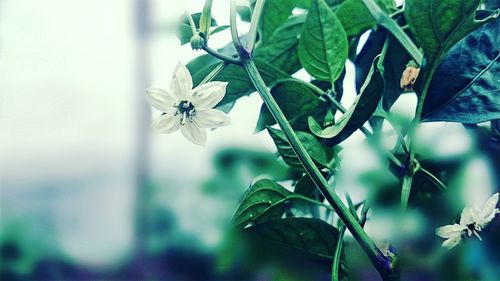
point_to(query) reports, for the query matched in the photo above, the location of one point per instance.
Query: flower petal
(489, 210)
(209, 94)
(194, 133)
(211, 118)
(166, 124)
(452, 242)
(160, 99)
(449, 231)
(182, 83)
(469, 215)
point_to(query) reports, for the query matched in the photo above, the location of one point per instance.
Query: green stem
(434, 179)
(381, 262)
(384, 20)
(252, 34)
(337, 253)
(191, 22)
(221, 66)
(408, 177)
(220, 56)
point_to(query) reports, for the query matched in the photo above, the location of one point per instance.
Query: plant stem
(434, 179)
(191, 21)
(221, 66)
(220, 56)
(408, 176)
(337, 253)
(254, 25)
(381, 262)
(384, 20)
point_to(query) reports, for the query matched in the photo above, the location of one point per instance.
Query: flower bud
(196, 42)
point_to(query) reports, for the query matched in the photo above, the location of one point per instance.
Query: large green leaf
(355, 16)
(471, 70)
(315, 149)
(323, 46)
(239, 83)
(307, 235)
(259, 197)
(275, 13)
(305, 103)
(281, 50)
(360, 111)
(438, 25)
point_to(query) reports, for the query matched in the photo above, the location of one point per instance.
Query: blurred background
(88, 192)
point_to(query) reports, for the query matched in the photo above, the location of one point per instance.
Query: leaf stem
(191, 21)
(384, 20)
(220, 56)
(254, 25)
(221, 66)
(410, 172)
(434, 179)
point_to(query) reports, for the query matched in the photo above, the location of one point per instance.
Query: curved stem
(191, 21)
(379, 260)
(252, 34)
(384, 20)
(221, 56)
(234, 32)
(434, 179)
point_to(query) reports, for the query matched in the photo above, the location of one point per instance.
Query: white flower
(472, 221)
(190, 110)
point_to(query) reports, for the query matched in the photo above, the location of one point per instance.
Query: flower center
(186, 108)
(473, 228)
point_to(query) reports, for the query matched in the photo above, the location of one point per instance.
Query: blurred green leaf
(206, 18)
(275, 13)
(307, 235)
(323, 47)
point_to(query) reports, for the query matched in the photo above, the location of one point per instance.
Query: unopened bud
(196, 42)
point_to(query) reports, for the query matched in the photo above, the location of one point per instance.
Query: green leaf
(239, 83)
(275, 13)
(219, 29)
(206, 19)
(281, 50)
(323, 46)
(306, 187)
(314, 148)
(184, 33)
(394, 64)
(307, 235)
(305, 103)
(438, 25)
(356, 18)
(471, 70)
(259, 197)
(360, 111)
